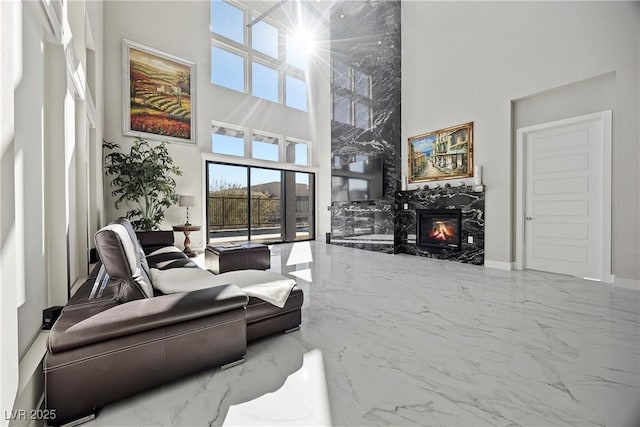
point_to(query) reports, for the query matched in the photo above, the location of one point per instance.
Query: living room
(505, 67)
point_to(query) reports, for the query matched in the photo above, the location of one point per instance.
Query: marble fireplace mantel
(464, 197)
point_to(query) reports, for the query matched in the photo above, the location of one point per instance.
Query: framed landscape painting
(158, 94)
(442, 154)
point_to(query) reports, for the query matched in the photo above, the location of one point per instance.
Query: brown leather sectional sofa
(129, 339)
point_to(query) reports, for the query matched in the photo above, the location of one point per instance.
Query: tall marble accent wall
(365, 53)
(465, 198)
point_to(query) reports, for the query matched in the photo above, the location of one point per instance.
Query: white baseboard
(625, 283)
(498, 265)
(608, 278)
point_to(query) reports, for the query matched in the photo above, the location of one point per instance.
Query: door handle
(528, 218)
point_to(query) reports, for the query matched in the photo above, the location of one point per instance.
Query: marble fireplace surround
(463, 197)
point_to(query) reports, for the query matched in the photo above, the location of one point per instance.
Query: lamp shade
(186, 201)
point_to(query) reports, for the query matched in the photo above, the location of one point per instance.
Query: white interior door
(566, 201)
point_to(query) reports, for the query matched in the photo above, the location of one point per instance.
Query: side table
(187, 229)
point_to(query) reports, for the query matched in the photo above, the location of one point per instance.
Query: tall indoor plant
(144, 179)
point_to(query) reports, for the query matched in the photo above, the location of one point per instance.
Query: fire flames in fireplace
(439, 229)
(442, 230)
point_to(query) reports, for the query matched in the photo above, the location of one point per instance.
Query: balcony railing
(231, 212)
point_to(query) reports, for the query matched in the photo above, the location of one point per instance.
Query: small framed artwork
(442, 154)
(158, 94)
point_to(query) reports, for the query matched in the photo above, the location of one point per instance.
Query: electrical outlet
(470, 239)
(406, 206)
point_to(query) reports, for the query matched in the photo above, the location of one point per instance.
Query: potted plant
(142, 178)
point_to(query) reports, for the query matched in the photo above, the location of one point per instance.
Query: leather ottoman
(246, 256)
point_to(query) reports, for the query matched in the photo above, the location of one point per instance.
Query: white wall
(467, 61)
(42, 182)
(10, 36)
(29, 149)
(182, 29)
(95, 12)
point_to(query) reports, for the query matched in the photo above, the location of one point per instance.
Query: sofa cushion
(92, 323)
(168, 257)
(121, 257)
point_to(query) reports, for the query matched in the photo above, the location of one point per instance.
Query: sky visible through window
(238, 175)
(262, 176)
(265, 82)
(296, 93)
(228, 68)
(265, 39)
(265, 150)
(296, 51)
(301, 154)
(224, 144)
(227, 20)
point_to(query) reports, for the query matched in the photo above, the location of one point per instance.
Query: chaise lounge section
(263, 319)
(129, 338)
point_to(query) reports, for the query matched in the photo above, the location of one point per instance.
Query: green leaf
(142, 176)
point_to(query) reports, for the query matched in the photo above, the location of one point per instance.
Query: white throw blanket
(271, 287)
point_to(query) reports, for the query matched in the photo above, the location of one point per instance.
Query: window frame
(248, 158)
(313, 200)
(252, 55)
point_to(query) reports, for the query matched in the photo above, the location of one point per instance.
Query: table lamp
(186, 201)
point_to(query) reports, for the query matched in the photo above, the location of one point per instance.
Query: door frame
(520, 187)
(258, 165)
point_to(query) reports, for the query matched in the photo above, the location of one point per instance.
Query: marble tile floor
(403, 340)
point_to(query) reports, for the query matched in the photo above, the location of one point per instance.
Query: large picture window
(267, 205)
(258, 52)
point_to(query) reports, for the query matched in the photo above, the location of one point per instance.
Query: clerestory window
(231, 140)
(264, 59)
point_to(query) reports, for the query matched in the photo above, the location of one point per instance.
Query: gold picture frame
(159, 96)
(441, 154)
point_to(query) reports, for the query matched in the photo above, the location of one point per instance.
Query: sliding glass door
(265, 205)
(227, 204)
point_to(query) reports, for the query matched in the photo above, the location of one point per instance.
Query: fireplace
(439, 228)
